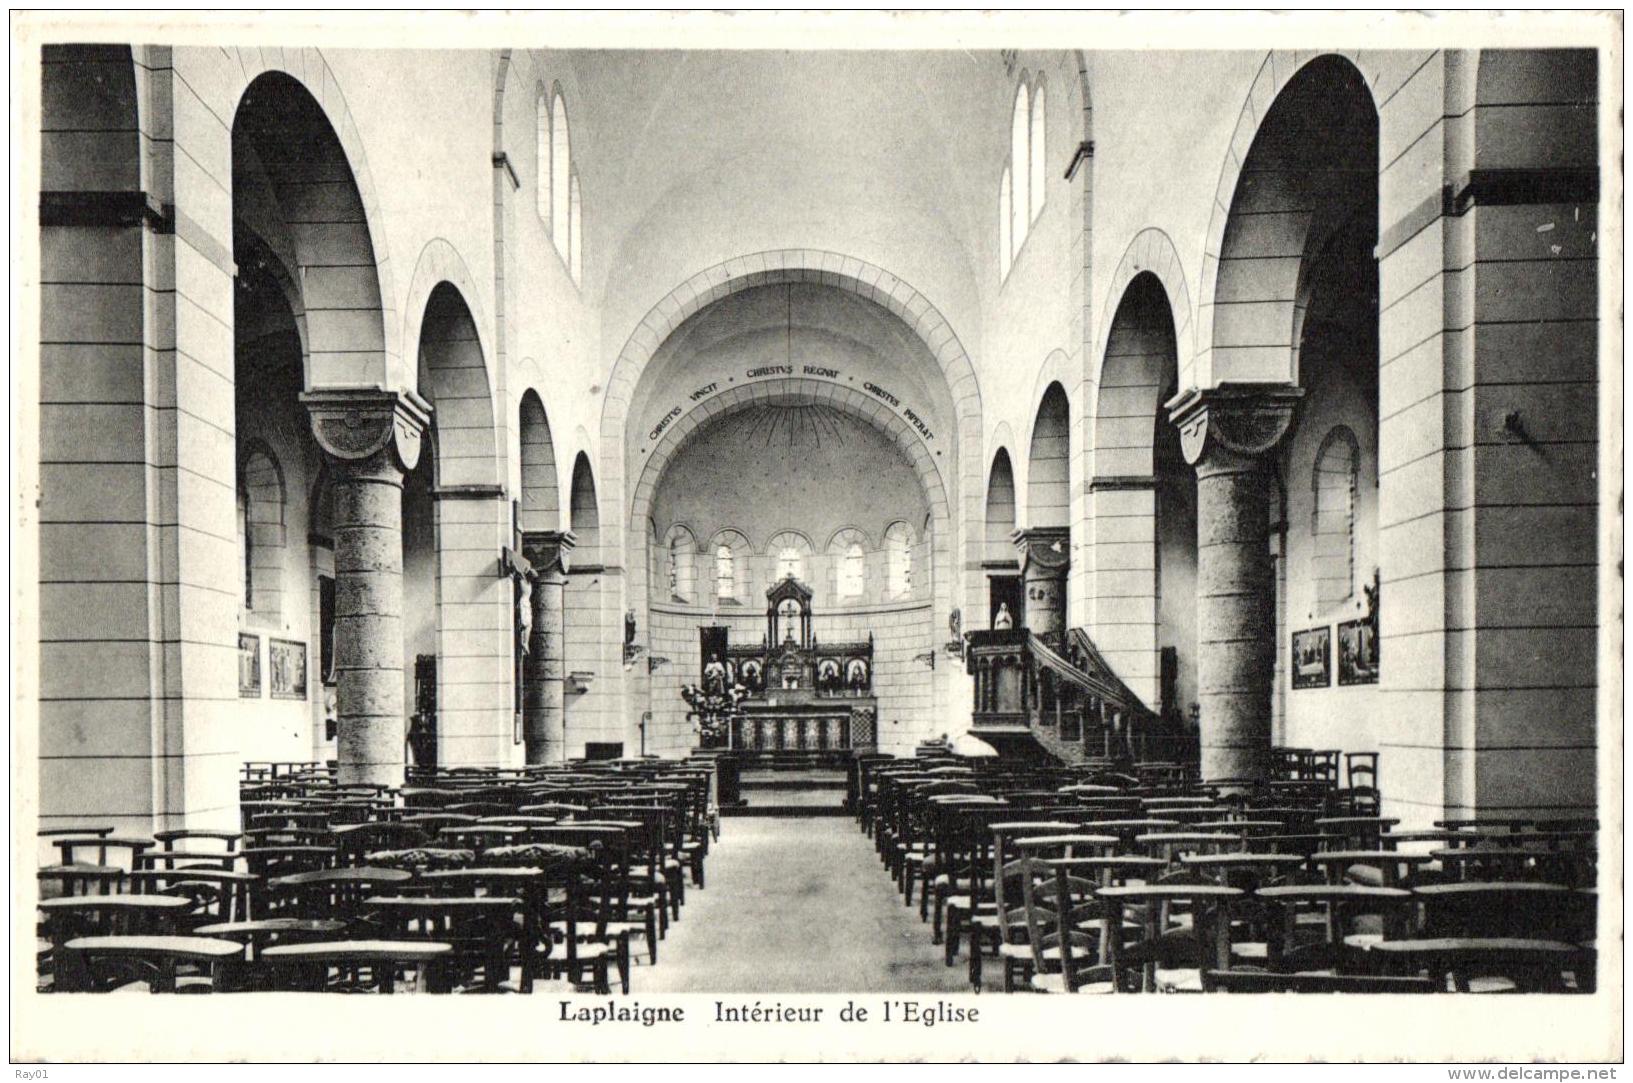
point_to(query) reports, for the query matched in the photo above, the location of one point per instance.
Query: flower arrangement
(713, 712)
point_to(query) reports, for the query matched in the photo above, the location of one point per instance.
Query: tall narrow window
(246, 547)
(682, 566)
(1332, 528)
(899, 559)
(1020, 159)
(1037, 169)
(853, 572)
(541, 182)
(847, 551)
(731, 573)
(262, 489)
(561, 170)
(575, 232)
(725, 572)
(788, 549)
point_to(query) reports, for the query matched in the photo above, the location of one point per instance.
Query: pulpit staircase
(1058, 698)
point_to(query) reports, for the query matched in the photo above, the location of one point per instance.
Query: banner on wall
(713, 640)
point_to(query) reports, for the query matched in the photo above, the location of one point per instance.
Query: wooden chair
(357, 965)
(1514, 910)
(68, 918)
(1526, 965)
(69, 881)
(1067, 928)
(1161, 947)
(354, 842)
(330, 893)
(216, 894)
(102, 963)
(1004, 928)
(484, 931)
(268, 862)
(257, 936)
(594, 921)
(227, 839)
(1328, 911)
(963, 881)
(1361, 795)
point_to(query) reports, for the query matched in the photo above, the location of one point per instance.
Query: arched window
(1332, 525)
(261, 490)
(1006, 223)
(1020, 160)
(681, 553)
(899, 559)
(730, 574)
(848, 552)
(246, 547)
(725, 572)
(790, 550)
(1037, 167)
(575, 232)
(541, 146)
(561, 171)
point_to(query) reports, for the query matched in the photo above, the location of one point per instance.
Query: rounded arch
(1000, 507)
(1139, 372)
(728, 555)
(1020, 161)
(263, 499)
(780, 266)
(868, 409)
(540, 499)
(1048, 461)
(1333, 481)
(1151, 252)
(561, 170)
(454, 379)
(899, 541)
(790, 552)
(585, 511)
(680, 554)
(847, 534)
(305, 138)
(1269, 182)
(440, 265)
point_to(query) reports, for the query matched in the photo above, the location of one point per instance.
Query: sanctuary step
(801, 791)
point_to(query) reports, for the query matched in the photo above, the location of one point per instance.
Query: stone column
(1228, 433)
(371, 438)
(1046, 553)
(544, 689)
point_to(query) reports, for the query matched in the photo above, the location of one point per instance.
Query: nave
(799, 903)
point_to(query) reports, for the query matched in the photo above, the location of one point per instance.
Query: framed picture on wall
(249, 666)
(1358, 652)
(286, 669)
(1312, 658)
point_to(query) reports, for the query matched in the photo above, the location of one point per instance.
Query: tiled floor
(797, 905)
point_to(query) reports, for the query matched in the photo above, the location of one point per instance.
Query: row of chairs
(1292, 875)
(485, 880)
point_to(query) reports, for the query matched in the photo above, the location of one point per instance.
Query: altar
(798, 695)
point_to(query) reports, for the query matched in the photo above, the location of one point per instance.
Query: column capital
(1049, 547)
(548, 550)
(353, 424)
(1243, 420)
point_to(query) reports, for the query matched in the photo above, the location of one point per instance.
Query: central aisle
(797, 906)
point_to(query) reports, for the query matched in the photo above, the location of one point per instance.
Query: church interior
(539, 519)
